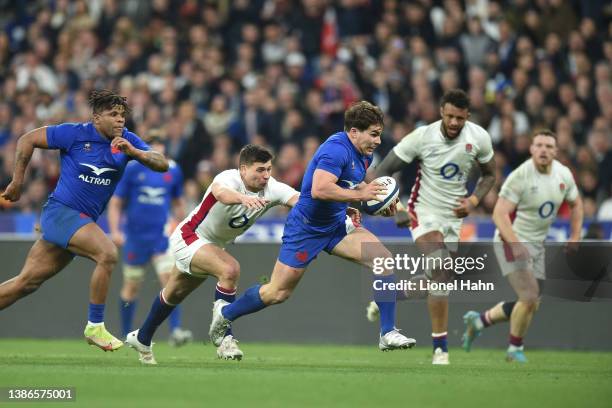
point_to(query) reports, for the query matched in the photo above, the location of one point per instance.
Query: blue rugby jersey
(90, 168)
(337, 155)
(148, 196)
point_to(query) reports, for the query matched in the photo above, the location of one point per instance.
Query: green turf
(306, 375)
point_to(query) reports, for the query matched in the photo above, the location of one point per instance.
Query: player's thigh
(180, 284)
(43, 261)
(211, 259)
(285, 277)
(91, 242)
(361, 246)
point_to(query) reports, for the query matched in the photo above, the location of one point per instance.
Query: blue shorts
(138, 251)
(301, 246)
(59, 222)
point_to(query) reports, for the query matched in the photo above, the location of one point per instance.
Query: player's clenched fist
(123, 145)
(254, 203)
(371, 191)
(12, 192)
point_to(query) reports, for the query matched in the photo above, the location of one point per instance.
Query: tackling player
(446, 150)
(320, 221)
(148, 198)
(232, 203)
(527, 205)
(93, 157)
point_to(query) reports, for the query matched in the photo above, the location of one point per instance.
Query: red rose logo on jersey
(562, 186)
(468, 148)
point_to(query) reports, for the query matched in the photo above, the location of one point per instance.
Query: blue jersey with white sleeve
(148, 196)
(90, 168)
(337, 155)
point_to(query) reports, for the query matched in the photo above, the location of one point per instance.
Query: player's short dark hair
(252, 153)
(361, 115)
(104, 99)
(543, 132)
(456, 97)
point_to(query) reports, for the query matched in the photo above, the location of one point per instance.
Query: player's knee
(530, 302)
(109, 257)
(231, 272)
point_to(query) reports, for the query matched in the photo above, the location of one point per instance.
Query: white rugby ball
(374, 207)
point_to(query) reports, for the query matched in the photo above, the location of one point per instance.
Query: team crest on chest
(87, 147)
(533, 189)
(468, 148)
(562, 186)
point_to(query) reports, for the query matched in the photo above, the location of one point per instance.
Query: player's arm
(114, 218)
(228, 196)
(293, 200)
(324, 187)
(501, 218)
(390, 165)
(576, 217)
(23, 154)
(485, 183)
(150, 158)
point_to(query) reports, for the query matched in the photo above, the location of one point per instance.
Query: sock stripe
(439, 335)
(163, 299)
(226, 291)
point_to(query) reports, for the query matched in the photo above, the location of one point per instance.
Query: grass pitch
(280, 375)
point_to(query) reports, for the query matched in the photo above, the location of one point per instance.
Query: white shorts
(183, 253)
(508, 264)
(450, 228)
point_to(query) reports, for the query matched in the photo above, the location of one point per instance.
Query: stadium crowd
(212, 75)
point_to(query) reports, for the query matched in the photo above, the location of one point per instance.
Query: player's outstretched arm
(324, 187)
(23, 154)
(228, 196)
(390, 165)
(150, 158)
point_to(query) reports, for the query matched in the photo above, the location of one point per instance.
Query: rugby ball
(374, 207)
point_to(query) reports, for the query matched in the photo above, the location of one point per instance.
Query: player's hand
(391, 210)
(354, 214)
(12, 192)
(254, 203)
(404, 218)
(371, 191)
(123, 145)
(464, 208)
(118, 238)
(519, 251)
(571, 246)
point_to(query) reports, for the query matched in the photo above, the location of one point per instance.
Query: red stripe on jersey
(508, 254)
(188, 229)
(414, 196)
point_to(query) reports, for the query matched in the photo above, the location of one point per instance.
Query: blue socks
(385, 300)
(160, 310)
(95, 313)
(229, 295)
(249, 302)
(126, 312)
(439, 341)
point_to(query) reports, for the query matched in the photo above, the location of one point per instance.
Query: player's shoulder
(228, 175)
(562, 169)
(476, 131)
(75, 128)
(336, 143)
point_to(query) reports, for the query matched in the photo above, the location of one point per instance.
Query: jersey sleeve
(332, 158)
(136, 141)
(228, 178)
(177, 188)
(281, 192)
(512, 189)
(409, 147)
(485, 151)
(571, 190)
(61, 136)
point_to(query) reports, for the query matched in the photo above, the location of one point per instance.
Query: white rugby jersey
(444, 164)
(538, 198)
(223, 223)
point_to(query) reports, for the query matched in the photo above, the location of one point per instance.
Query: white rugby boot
(394, 340)
(219, 324)
(145, 352)
(372, 312)
(228, 349)
(440, 357)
